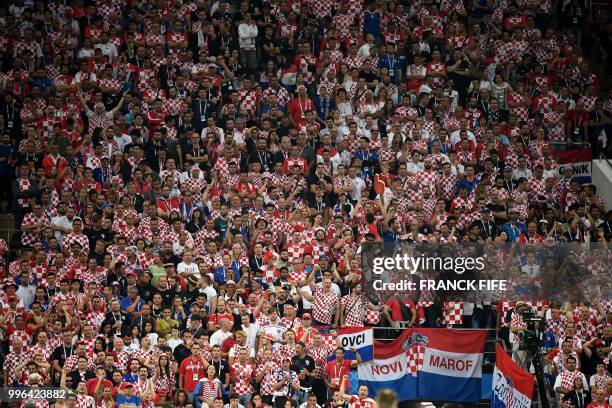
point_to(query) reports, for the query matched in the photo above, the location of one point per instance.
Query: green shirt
(157, 271)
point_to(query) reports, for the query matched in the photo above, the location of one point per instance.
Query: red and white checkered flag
(415, 355)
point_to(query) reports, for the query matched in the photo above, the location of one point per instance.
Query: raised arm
(119, 105)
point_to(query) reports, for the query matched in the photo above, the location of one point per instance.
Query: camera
(532, 338)
(532, 341)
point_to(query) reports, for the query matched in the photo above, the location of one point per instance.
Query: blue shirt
(8, 152)
(125, 302)
(371, 23)
(390, 236)
(131, 378)
(133, 400)
(43, 84)
(470, 185)
(514, 230)
(324, 107)
(393, 63)
(220, 275)
(363, 155)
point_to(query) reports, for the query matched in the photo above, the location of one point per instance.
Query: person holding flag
(339, 368)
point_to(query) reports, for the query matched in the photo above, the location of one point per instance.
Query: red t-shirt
(91, 386)
(396, 311)
(191, 371)
(216, 318)
(335, 372)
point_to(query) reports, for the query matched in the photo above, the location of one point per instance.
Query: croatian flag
(389, 370)
(452, 365)
(512, 386)
(361, 338)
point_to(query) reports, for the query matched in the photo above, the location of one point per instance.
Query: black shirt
(167, 296)
(181, 352)
(461, 82)
(221, 368)
(303, 363)
(146, 291)
(94, 235)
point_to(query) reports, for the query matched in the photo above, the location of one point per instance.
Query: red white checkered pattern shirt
(586, 330)
(248, 102)
(242, 376)
(268, 380)
(71, 238)
(454, 315)
(319, 354)
(11, 361)
(324, 305)
(354, 310)
(29, 238)
(281, 94)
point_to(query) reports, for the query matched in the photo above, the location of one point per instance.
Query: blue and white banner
(360, 338)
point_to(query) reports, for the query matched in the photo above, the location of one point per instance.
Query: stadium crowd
(192, 181)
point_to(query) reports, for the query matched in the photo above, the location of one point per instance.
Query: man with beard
(262, 155)
(168, 256)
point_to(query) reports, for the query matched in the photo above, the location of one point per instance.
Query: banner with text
(579, 160)
(359, 338)
(428, 364)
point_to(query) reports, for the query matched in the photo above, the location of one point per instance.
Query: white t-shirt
(172, 343)
(364, 51)
(211, 293)
(455, 137)
(305, 303)
(108, 49)
(189, 269)
(252, 331)
(62, 222)
(85, 53)
(123, 140)
(359, 186)
(414, 168)
(275, 330)
(533, 271)
(219, 337)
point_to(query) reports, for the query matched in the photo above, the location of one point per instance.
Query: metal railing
(7, 234)
(604, 157)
